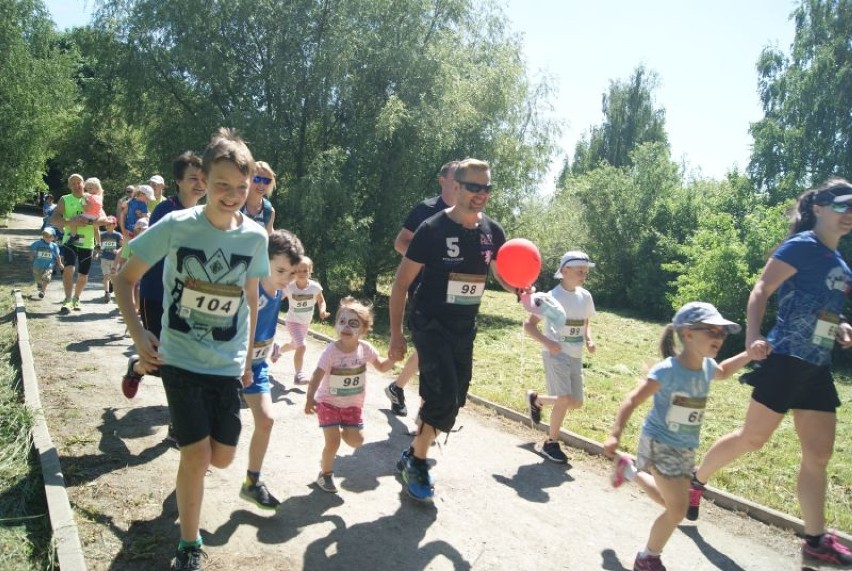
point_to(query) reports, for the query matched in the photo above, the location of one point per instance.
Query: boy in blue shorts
(285, 253)
(214, 259)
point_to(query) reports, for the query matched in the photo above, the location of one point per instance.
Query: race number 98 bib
(465, 289)
(345, 381)
(686, 413)
(214, 305)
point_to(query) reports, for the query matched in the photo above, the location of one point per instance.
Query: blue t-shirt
(110, 242)
(151, 284)
(205, 318)
(817, 290)
(46, 254)
(268, 308)
(130, 218)
(678, 411)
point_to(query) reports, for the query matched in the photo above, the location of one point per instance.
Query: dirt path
(499, 505)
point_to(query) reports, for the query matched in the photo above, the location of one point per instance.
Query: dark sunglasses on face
(840, 207)
(262, 179)
(713, 333)
(475, 187)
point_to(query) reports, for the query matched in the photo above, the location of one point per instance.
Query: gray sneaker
(326, 482)
(553, 452)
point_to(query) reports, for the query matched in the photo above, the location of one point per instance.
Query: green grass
(507, 363)
(25, 534)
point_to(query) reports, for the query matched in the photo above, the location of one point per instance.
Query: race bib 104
(210, 304)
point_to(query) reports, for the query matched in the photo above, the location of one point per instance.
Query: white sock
(630, 472)
(648, 553)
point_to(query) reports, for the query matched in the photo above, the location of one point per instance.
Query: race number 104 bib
(261, 350)
(214, 305)
(686, 413)
(826, 328)
(346, 381)
(465, 289)
(573, 331)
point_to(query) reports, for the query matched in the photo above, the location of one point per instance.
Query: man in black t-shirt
(418, 214)
(454, 249)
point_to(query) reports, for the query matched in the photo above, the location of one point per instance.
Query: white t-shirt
(578, 306)
(301, 302)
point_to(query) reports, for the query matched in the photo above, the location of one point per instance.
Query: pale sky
(703, 52)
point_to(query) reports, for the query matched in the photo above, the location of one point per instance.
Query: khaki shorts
(40, 276)
(106, 267)
(669, 461)
(563, 375)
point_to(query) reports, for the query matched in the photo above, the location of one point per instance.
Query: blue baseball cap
(696, 312)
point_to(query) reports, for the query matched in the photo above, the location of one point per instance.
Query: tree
(35, 97)
(630, 119)
(805, 135)
(355, 104)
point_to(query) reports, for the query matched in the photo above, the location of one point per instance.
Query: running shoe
(301, 378)
(40, 294)
(619, 467)
(648, 563)
(130, 381)
(75, 303)
(188, 558)
(326, 482)
(696, 491)
(259, 495)
(552, 451)
(533, 408)
(107, 297)
(403, 460)
(418, 482)
(66, 307)
(396, 395)
(829, 551)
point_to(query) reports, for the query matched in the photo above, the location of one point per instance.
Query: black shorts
(151, 311)
(202, 405)
(782, 382)
(76, 256)
(445, 352)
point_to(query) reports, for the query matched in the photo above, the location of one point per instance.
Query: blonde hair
(96, 182)
(308, 262)
(667, 341)
(363, 309)
(263, 165)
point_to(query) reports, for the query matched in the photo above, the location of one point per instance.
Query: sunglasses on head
(475, 187)
(262, 179)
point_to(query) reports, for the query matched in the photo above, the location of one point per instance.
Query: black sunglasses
(475, 187)
(263, 179)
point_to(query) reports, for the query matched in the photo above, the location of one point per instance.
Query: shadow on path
(713, 555)
(531, 480)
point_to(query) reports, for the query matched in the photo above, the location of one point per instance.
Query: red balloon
(519, 262)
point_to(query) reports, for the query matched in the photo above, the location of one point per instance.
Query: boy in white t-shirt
(563, 349)
(303, 294)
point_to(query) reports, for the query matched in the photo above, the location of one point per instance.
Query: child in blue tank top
(666, 451)
(285, 251)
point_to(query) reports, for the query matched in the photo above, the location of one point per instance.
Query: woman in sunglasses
(257, 206)
(795, 372)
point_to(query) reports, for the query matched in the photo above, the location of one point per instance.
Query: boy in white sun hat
(562, 348)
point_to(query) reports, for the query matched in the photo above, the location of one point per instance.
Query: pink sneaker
(619, 466)
(649, 563)
(829, 551)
